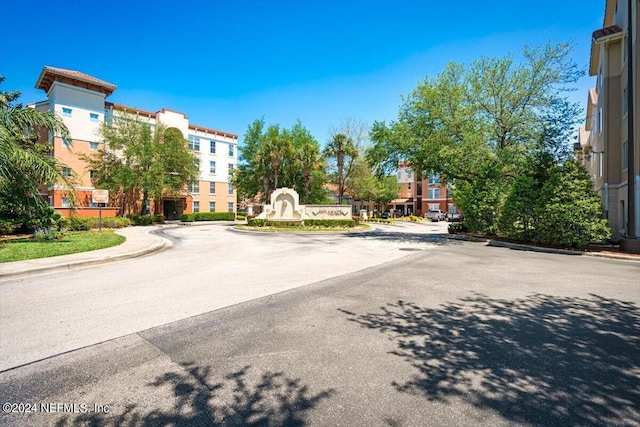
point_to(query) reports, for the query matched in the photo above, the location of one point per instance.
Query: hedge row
(208, 216)
(145, 219)
(255, 222)
(82, 224)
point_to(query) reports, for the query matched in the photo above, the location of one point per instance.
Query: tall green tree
(480, 126)
(272, 157)
(342, 149)
(25, 163)
(307, 160)
(141, 163)
(347, 143)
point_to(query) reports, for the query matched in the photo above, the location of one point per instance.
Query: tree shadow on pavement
(243, 398)
(541, 360)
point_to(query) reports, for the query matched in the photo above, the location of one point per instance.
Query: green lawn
(73, 242)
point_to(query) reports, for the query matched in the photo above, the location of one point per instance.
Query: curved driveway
(207, 268)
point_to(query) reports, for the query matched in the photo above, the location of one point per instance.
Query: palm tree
(22, 166)
(343, 149)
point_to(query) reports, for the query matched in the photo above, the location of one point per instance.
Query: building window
(194, 143)
(212, 188)
(434, 206)
(600, 119)
(230, 188)
(434, 193)
(409, 174)
(66, 112)
(93, 117)
(66, 172)
(399, 175)
(194, 187)
(212, 167)
(65, 202)
(231, 151)
(231, 166)
(93, 146)
(196, 206)
(600, 164)
(625, 157)
(93, 174)
(212, 147)
(230, 207)
(67, 143)
(434, 179)
(212, 206)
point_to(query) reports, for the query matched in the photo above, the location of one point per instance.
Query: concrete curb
(85, 259)
(523, 247)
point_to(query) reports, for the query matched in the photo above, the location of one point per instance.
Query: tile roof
(606, 31)
(49, 74)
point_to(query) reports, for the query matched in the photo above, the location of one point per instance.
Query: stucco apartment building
(80, 100)
(417, 195)
(603, 141)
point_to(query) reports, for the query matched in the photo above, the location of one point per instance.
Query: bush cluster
(457, 227)
(349, 223)
(326, 223)
(146, 219)
(47, 234)
(546, 203)
(83, 224)
(208, 216)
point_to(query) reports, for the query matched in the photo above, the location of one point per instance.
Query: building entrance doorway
(172, 209)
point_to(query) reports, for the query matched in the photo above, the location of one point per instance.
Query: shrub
(571, 212)
(142, 219)
(518, 215)
(186, 218)
(8, 226)
(83, 224)
(214, 216)
(79, 224)
(240, 217)
(457, 227)
(330, 223)
(46, 234)
(256, 222)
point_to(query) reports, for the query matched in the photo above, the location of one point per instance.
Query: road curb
(161, 244)
(523, 247)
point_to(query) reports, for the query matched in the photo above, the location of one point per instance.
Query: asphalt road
(394, 327)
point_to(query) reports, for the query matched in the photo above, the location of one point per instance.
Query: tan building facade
(80, 101)
(603, 141)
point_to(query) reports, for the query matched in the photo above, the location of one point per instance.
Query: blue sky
(226, 63)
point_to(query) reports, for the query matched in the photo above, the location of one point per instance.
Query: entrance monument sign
(285, 206)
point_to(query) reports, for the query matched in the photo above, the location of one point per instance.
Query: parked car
(385, 215)
(435, 215)
(454, 217)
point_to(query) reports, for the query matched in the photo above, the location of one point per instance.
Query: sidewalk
(139, 242)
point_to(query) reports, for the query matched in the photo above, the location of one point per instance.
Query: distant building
(603, 140)
(418, 195)
(80, 100)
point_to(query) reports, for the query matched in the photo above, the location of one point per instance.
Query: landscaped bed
(72, 242)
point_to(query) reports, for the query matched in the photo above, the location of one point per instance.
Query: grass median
(70, 243)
